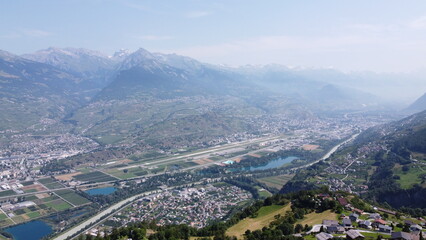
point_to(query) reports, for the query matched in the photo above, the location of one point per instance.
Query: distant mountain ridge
(121, 97)
(31, 91)
(417, 106)
(91, 66)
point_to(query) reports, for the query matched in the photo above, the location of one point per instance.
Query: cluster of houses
(353, 226)
(374, 224)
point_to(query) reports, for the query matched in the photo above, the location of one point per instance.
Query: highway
(329, 153)
(97, 219)
(93, 220)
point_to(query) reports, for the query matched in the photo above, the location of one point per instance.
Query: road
(329, 153)
(95, 220)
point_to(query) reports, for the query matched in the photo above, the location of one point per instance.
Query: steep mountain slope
(386, 163)
(131, 94)
(417, 106)
(194, 101)
(32, 92)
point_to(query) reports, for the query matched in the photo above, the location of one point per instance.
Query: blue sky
(380, 35)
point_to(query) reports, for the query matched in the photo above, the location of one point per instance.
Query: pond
(101, 191)
(274, 163)
(34, 230)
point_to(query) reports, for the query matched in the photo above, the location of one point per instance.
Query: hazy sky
(378, 35)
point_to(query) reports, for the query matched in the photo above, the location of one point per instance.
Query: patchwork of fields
(39, 204)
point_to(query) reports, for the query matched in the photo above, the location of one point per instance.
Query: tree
(287, 228)
(406, 228)
(298, 228)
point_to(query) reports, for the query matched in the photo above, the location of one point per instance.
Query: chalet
(408, 222)
(365, 224)
(358, 211)
(353, 217)
(385, 229)
(354, 235)
(323, 236)
(329, 222)
(347, 223)
(335, 229)
(378, 222)
(374, 216)
(404, 236)
(343, 201)
(415, 228)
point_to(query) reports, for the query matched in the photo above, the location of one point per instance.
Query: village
(356, 224)
(194, 206)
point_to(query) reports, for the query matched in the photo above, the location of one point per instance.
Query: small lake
(34, 230)
(101, 191)
(275, 163)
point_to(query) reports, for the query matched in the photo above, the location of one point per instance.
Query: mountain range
(159, 98)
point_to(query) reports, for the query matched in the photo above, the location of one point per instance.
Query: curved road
(93, 220)
(328, 154)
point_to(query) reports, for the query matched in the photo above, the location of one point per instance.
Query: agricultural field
(72, 197)
(127, 173)
(276, 182)
(263, 193)
(95, 176)
(265, 216)
(40, 204)
(59, 205)
(50, 183)
(7, 193)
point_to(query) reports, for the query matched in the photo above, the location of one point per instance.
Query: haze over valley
(212, 120)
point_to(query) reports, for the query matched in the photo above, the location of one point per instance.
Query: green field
(263, 193)
(95, 176)
(7, 193)
(3, 217)
(131, 172)
(27, 183)
(50, 183)
(33, 215)
(316, 218)
(276, 182)
(30, 190)
(264, 217)
(59, 205)
(409, 178)
(72, 197)
(5, 222)
(51, 198)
